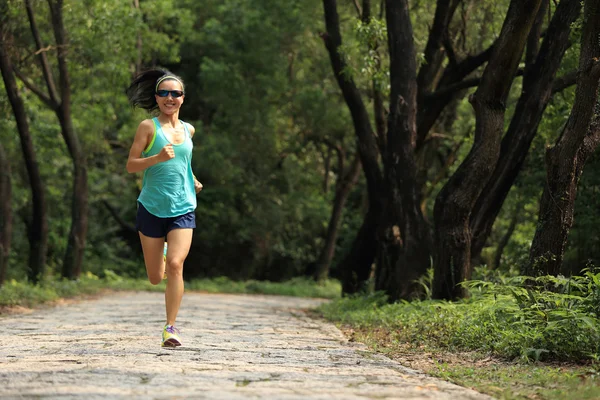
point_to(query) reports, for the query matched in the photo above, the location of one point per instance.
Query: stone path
(235, 347)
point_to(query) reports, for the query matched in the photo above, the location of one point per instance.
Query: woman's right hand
(166, 153)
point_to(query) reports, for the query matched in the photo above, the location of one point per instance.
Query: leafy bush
(547, 318)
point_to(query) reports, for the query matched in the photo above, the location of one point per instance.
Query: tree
(566, 160)
(357, 263)
(405, 241)
(5, 213)
(59, 101)
(539, 84)
(348, 177)
(37, 226)
(456, 200)
(469, 202)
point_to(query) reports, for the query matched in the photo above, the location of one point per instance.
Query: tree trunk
(327, 162)
(356, 267)
(362, 253)
(341, 195)
(404, 239)
(5, 213)
(457, 198)
(536, 93)
(139, 44)
(505, 239)
(73, 260)
(566, 160)
(60, 102)
(38, 229)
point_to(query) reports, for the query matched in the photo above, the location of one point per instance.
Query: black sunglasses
(165, 93)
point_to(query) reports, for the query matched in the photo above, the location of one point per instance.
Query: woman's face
(169, 104)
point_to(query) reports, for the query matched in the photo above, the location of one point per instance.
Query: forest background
(435, 155)
(424, 150)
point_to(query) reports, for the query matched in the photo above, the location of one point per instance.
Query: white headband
(164, 78)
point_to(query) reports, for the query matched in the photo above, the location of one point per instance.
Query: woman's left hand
(197, 185)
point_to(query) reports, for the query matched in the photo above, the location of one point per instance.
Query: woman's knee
(155, 279)
(174, 267)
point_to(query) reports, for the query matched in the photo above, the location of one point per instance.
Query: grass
(21, 294)
(488, 343)
(298, 287)
(500, 378)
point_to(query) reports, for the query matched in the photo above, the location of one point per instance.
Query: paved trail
(235, 347)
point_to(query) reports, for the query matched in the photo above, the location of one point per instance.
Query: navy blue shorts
(152, 226)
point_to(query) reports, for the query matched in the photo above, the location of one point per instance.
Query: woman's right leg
(153, 257)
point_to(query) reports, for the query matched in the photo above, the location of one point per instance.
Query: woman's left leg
(179, 241)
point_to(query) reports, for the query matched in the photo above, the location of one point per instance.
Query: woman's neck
(169, 119)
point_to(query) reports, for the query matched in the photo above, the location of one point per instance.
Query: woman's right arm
(143, 136)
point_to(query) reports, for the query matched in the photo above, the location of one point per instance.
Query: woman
(162, 149)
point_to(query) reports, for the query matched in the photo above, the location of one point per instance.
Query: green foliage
(261, 94)
(366, 54)
(547, 318)
(14, 293)
(297, 287)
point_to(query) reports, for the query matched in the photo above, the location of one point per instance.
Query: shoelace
(172, 329)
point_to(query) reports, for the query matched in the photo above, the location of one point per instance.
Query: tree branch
(429, 111)
(357, 6)
(567, 80)
(471, 63)
(61, 43)
(368, 147)
(339, 151)
(438, 38)
(455, 87)
(449, 50)
(113, 211)
(41, 52)
(36, 90)
(467, 83)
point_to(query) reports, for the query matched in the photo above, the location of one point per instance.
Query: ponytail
(143, 88)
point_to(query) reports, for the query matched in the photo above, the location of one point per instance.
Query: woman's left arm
(197, 185)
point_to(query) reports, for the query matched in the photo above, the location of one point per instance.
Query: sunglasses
(165, 93)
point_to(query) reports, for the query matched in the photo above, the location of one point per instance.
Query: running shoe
(170, 336)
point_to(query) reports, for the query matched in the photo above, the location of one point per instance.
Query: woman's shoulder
(146, 127)
(147, 124)
(189, 127)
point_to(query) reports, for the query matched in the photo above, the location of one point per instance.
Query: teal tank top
(168, 187)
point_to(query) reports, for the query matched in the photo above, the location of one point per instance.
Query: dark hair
(141, 91)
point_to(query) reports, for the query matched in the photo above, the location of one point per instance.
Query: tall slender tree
(357, 263)
(58, 99)
(566, 160)
(37, 226)
(348, 176)
(5, 213)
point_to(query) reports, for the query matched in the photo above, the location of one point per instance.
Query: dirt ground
(234, 347)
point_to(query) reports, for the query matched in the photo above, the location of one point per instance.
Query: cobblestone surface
(234, 347)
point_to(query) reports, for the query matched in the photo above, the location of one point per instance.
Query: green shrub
(548, 318)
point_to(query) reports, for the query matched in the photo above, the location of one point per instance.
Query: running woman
(162, 149)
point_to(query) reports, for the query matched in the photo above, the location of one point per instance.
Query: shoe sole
(171, 343)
